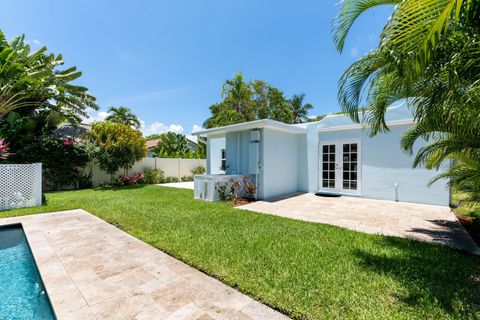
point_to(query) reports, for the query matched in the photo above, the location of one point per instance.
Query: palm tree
(300, 110)
(30, 79)
(124, 116)
(428, 55)
(238, 91)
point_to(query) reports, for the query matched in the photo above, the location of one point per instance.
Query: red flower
(4, 149)
(68, 143)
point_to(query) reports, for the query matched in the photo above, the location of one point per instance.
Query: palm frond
(350, 11)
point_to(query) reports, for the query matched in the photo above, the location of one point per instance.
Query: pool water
(22, 294)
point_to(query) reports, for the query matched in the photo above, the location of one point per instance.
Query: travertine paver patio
(415, 221)
(92, 270)
(179, 185)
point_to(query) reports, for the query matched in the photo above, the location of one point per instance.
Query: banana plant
(32, 79)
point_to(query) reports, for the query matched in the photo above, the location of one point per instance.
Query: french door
(340, 167)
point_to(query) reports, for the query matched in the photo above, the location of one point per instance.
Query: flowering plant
(132, 179)
(4, 154)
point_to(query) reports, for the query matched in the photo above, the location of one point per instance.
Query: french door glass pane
(349, 156)
(328, 166)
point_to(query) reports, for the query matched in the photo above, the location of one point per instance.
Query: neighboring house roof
(70, 131)
(395, 115)
(192, 139)
(152, 143)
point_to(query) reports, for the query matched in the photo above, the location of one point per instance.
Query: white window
(224, 160)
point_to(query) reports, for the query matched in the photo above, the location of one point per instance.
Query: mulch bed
(240, 201)
(471, 225)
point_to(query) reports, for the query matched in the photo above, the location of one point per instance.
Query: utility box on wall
(253, 152)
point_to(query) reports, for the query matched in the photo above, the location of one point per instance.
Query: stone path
(92, 270)
(415, 221)
(179, 185)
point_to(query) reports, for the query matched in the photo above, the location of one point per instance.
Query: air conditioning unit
(204, 188)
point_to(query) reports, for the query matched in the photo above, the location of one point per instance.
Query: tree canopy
(116, 146)
(123, 115)
(175, 145)
(246, 101)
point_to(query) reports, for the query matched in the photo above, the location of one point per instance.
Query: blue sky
(167, 60)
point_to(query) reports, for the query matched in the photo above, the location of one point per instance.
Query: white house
(334, 156)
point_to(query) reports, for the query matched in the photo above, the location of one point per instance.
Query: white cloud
(354, 52)
(37, 42)
(176, 128)
(196, 127)
(158, 127)
(95, 116)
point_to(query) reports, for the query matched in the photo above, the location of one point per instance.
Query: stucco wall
(383, 165)
(281, 162)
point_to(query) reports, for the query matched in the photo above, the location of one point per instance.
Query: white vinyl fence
(177, 168)
(20, 185)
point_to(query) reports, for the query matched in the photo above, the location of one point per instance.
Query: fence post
(179, 168)
(38, 184)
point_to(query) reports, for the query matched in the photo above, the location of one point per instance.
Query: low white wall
(172, 167)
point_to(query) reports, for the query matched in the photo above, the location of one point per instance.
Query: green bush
(198, 170)
(153, 176)
(187, 178)
(170, 179)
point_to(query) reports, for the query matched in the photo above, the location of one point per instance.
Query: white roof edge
(360, 126)
(256, 124)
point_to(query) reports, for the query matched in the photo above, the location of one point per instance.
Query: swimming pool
(22, 294)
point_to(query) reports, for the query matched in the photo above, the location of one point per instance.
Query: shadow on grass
(428, 275)
(449, 232)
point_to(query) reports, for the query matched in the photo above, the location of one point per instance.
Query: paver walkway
(92, 270)
(409, 220)
(179, 185)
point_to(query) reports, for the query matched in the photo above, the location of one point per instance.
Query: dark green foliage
(153, 176)
(31, 140)
(198, 170)
(175, 145)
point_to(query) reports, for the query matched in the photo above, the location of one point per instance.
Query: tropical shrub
(3, 150)
(61, 160)
(153, 176)
(131, 179)
(116, 146)
(198, 170)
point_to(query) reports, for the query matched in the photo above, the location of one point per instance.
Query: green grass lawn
(306, 270)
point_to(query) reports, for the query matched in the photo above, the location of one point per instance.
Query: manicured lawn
(306, 270)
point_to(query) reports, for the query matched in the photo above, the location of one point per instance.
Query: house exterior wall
(237, 152)
(384, 164)
(281, 153)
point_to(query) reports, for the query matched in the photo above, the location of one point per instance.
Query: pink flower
(4, 154)
(68, 142)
